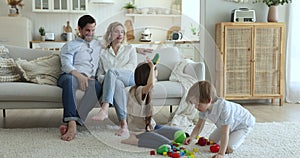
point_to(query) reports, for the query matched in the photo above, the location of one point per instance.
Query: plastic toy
(175, 150)
(179, 136)
(156, 59)
(163, 148)
(152, 152)
(165, 153)
(214, 148)
(202, 141)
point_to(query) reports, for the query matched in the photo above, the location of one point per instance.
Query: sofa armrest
(195, 69)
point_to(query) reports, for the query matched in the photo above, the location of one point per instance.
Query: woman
(116, 71)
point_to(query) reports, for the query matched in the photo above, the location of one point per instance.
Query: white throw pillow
(43, 70)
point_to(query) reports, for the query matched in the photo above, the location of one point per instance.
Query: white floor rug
(269, 140)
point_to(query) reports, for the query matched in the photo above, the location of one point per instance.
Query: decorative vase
(13, 11)
(273, 14)
(43, 38)
(129, 11)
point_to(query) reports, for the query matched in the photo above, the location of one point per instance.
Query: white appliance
(15, 31)
(243, 15)
(176, 35)
(146, 35)
(49, 36)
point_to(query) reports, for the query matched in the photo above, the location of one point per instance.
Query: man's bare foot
(132, 140)
(63, 129)
(122, 131)
(101, 115)
(71, 131)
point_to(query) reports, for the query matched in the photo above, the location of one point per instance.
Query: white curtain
(293, 54)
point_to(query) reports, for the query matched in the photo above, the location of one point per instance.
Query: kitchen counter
(189, 49)
(166, 42)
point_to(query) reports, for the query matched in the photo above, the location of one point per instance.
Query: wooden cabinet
(60, 6)
(250, 60)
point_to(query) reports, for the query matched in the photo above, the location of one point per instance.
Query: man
(79, 59)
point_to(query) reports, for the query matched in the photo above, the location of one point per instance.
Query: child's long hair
(202, 92)
(141, 75)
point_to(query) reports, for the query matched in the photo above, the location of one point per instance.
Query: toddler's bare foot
(122, 131)
(63, 129)
(132, 139)
(101, 115)
(71, 131)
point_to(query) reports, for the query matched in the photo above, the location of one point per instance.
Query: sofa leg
(171, 109)
(4, 114)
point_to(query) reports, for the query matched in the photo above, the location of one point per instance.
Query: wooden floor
(29, 118)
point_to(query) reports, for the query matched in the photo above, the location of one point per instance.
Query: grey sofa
(26, 95)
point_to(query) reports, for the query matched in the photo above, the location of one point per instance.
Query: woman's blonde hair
(107, 36)
(202, 92)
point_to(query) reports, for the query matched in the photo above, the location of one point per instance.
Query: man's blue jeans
(114, 83)
(72, 111)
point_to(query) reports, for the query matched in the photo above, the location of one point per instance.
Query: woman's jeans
(69, 85)
(114, 83)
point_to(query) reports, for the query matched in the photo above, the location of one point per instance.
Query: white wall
(54, 22)
(220, 11)
(215, 11)
(103, 13)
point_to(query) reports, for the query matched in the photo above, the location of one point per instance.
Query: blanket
(185, 114)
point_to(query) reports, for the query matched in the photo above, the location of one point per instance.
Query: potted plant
(42, 33)
(193, 29)
(273, 2)
(129, 7)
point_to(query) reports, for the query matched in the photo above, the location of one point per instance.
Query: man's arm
(144, 51)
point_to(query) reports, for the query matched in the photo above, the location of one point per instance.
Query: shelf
(102, 1)
(155, 15)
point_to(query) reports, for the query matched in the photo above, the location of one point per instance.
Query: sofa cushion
(43, 70)
(168, 58)
(24, 91)
(167, 89)
(16, 52)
